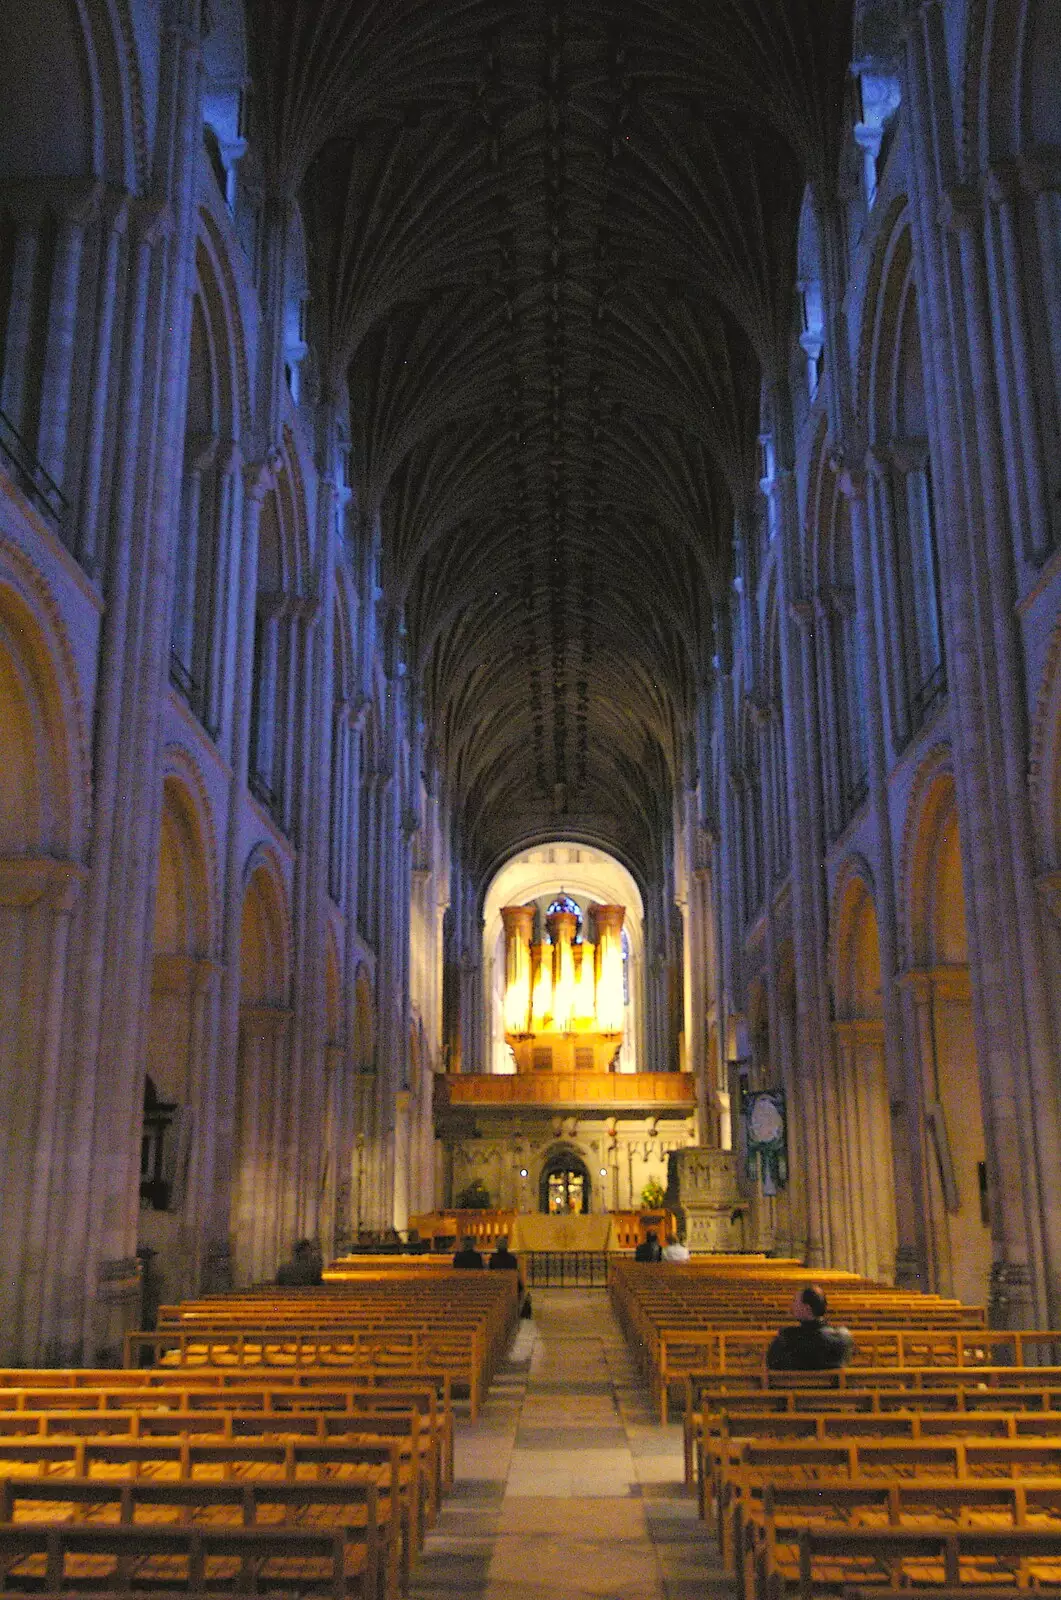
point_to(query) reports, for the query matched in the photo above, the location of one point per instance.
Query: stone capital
(259, 477)
(1048, 885)
(1003, 182)
(1040, 169)
(960, 208)
(25, 880)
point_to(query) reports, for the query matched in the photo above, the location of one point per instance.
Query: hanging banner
(766, 1132)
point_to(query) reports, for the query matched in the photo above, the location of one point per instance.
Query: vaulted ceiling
(553, 253)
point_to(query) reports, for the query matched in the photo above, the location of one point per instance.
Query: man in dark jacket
(648, 1249)
(502, 1259)
(811, 1345)
(467, 1255)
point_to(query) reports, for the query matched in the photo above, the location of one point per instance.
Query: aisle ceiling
(553, 249)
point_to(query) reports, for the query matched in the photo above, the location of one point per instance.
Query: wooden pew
(71, 1557)
(961, 1391)
(349, 1507)
(766, 1536)
(176, 1460)
(832, 1558)
(272, 1399)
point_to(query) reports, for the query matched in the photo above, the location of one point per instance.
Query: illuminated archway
(588, 876)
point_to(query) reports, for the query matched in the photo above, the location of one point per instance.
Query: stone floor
(566, 1485)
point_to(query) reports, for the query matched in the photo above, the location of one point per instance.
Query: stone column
(984, 677)
(115, 216)
(71, 1282)
(257, 480)
(19, 334)
(825, 1241)
(74, 209)
(901, 1062)
(37, 899)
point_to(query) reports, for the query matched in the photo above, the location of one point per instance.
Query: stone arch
(58, 133)
(208, 487)
(335, 1132)
(1044, 775)
(1012, 68)
(939, 997)
(865, 1158)
(40, 879)
(43, 695)
(265, 932)
(565, 1157)
(855, 961)
(264, 1089)
(279, 638)
(179, 1029)
(902, 500)
(364, 1021)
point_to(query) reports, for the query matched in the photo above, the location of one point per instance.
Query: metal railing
(191, 692)
(35, 481)
(567, 1269)
(924, 700)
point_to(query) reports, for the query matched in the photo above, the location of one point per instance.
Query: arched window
(750, 813)
(903, 508)
(777, 775)
(193, 639)
(342, 755)
(277, 657)
(842, 695)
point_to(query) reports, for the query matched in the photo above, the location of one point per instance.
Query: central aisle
(567, 1486)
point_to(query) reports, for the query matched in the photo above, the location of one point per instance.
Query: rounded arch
(333, 993)
(69, 85)
(888, 274)
(931, 868)
(183, 903)
(43, 776)
(856, 944)
(182, 773)
(265, 933)
(1044, 768)
(1012, 68)
(565, 1162)
(590, 875)
(364, 1021)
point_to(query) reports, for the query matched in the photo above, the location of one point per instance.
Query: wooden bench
(832, 1558)
(291, 1460)
(349, 1507)
(273, 1399)
(76, 1557)
(767, 1534)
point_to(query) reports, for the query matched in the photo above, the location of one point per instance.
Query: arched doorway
(941, 998)
(862, 1085)
(262, 1086)
(39, 883)
(178, 1042)
(564, 1188)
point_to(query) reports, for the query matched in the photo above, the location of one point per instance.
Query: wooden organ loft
(564, 998)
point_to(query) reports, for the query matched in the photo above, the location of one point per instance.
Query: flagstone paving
(567, 1486)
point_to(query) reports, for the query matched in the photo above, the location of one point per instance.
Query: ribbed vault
(553, 256)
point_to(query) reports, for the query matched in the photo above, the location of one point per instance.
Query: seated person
(305, 1268)
(811, 1345)
(674, 1250)
(467, 1255)
(648, 1249)
(502, 1259)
